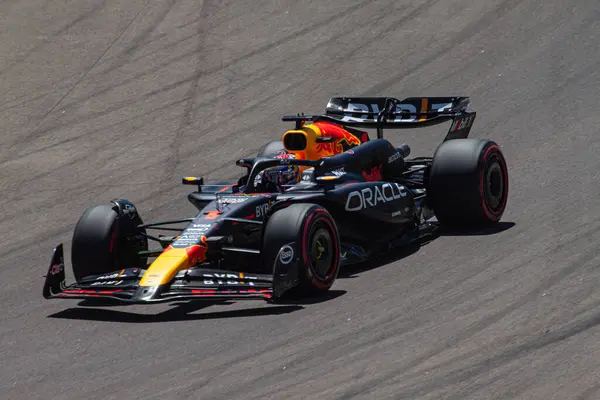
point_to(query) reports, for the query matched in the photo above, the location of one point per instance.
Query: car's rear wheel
(106, 239)
(468, 183)
(310, 237)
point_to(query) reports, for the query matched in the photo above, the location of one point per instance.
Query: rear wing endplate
(389, 113)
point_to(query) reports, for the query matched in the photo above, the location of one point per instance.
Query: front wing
(123, 285)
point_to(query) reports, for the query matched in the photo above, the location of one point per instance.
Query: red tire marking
(490, 214)
(112, 241)
(324, 217)
(305, 239)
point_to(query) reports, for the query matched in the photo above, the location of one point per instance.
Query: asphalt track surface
(113, 98)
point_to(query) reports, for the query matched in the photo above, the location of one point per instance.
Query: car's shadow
(178, 313)
(352, 271)
(491, 230)
(313, 299)
(182, 311)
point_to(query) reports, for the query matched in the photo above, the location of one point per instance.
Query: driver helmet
(274, 179)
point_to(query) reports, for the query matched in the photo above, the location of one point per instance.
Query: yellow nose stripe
(165, 267)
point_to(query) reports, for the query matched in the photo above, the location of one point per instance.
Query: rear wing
(389, 113)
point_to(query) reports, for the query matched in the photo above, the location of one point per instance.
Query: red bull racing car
(324, 196)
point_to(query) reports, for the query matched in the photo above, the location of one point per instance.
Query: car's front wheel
(106, 239)
(305, 234)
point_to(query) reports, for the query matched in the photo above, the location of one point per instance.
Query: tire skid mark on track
(478, 25)
(203, 73)
(103, 128)
(124, 55)
(93, 149)
(589, 259)
(299, 55)
(88, 70)
(98, 6)
(497, 360)
(455, 293)
(72, 87)
(590, 393)
(143, 40)
(121, 58)
(190, 96)
(25, 99)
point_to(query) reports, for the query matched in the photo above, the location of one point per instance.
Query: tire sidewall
(295, 224)
(492, 154)
(457, 182)
(319, 217)
(94, 243)
(104, 241)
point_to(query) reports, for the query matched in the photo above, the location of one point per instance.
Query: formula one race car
(323, 197)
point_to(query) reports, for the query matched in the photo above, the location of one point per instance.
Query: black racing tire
(103, 242)
(317, 240)
(468, 183)
(271, 149)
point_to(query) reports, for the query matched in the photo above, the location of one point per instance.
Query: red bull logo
(325, 148)
(347, 142)
(350, 138)
(342, 139)
(374, 174)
